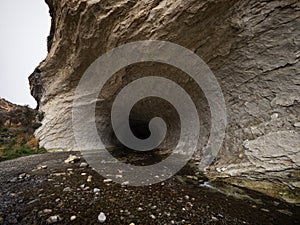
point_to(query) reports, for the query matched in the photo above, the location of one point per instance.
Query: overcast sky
(24, 27)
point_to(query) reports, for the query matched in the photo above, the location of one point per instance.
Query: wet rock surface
(39, 197)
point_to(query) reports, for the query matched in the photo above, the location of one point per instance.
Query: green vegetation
(17, 126)
(24, 150)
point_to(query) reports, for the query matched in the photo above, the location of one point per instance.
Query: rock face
(251, 46)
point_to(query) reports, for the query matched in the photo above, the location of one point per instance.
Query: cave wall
(251, 46)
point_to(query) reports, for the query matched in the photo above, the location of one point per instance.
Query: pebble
(22, 175)
(53, 219)
(72, 159)
(192, 177)
(83, 174)
(213, 218)
(274, 116)
(89, 179)
(67, 189)
(139, 209)
(82, 186)
(47, 211)
(265, 210)
(83, 165)
(125, 183)
(96, 190)
(152, 216)
(297, 124)
(154, 207)
(101, 217)
(40, 168)
(186, 197)
(131, 224)
(107, 180)
(73, 218)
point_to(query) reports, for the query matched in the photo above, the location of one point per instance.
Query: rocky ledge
(251, 46)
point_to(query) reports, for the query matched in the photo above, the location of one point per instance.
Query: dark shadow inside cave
(146, 109)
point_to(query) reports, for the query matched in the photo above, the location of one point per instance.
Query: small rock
(125, 183)
(131, 224)
(72, 218)
(101, 217)
(89, 179)
(186, 197)
(53, 219)
(72, 159)
(152, 216)
(83, 165)
(192, 177)
(45, 211)
(107, 180)
(154, 207)
(83, 174)
(297, 124)
(22, 176)
(82, 186)
(42, 167)
(274, 116)
(96, 190)
(86, 188)
(265, 210)
(67, 189)
(213, 218)
(139, 209)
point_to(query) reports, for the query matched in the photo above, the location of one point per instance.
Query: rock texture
(251, 46)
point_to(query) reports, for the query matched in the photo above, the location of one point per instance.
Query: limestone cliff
(251, 46)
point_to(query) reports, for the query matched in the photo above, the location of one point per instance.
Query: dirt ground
(43, 189)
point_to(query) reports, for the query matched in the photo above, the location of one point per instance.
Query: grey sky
(24, 27)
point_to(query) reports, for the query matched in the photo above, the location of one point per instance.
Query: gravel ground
(43, 189)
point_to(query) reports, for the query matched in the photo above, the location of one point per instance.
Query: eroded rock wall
(251, 46)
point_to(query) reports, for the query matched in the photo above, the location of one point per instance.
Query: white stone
(96, 190)
(83, 164)
(72, 218)
(72, 159)
(101, 217)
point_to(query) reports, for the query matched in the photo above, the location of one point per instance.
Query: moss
(15, 152)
